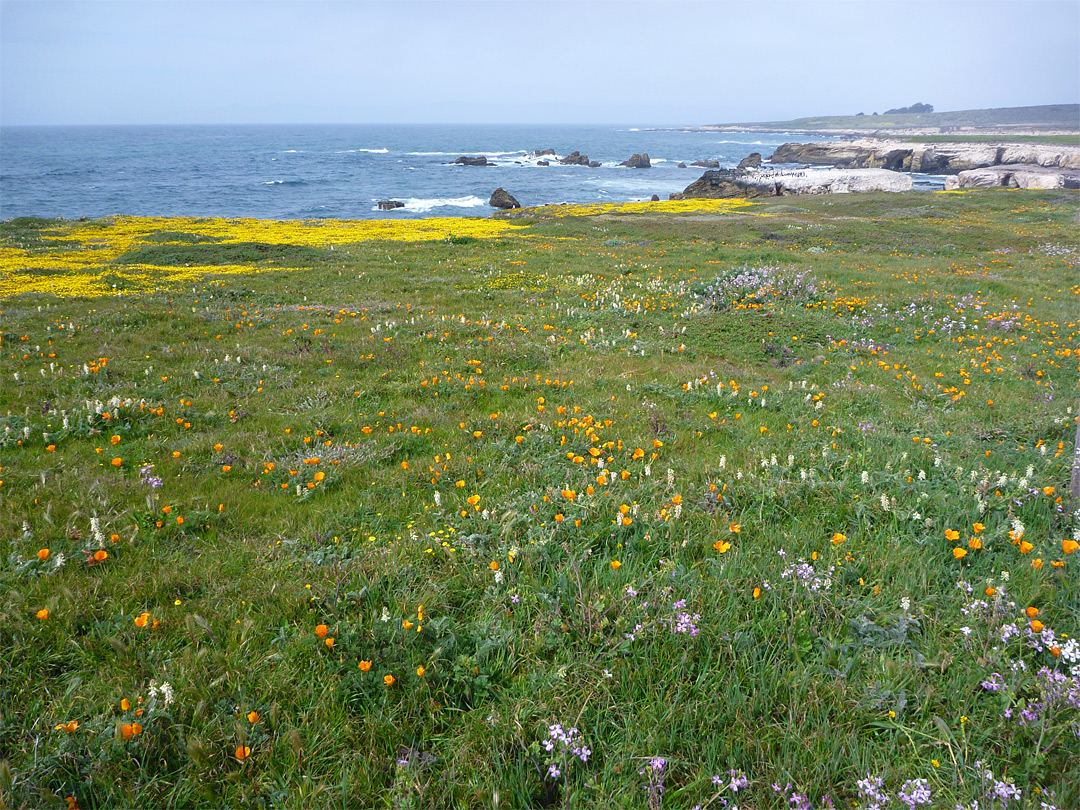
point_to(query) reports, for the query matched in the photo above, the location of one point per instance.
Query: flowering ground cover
(716, 505)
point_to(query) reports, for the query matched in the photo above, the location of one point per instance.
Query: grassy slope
(871, 379)
(1050, 116)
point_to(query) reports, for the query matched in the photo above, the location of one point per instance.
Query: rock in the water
(706, 164)
(501, 199)
(933, 158)
(473, 161)
(727, 183)
(682, 166)
(1015, 175)
(751, 161)
(542, 163)
(594, 164)
(655, 198)
(638, 161)
(575, 158)
(543, 152)
(390, 205)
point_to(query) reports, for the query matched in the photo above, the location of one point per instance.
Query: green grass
(1068, 140)
(920, 378)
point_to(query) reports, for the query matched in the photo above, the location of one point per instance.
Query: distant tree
(858, 114)
(914, 108)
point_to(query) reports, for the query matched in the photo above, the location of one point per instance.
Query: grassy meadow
(699, 504)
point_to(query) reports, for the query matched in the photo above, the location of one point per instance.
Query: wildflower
(977, 527)
(125, 704)
(43, 614)
(735, 528)
(365, 666)
(1048, 491)
(757, 593)
(321, 630)
(493, 565)
(70, 727)
(141, 620)
(838, 538)
(114, 440)
(1031, 612)
(1025, 547)
(1067, 546)
(101, 555)
(952, 534)
(1037, 626)
(43, 554)
(126, 731)
(388, 680)
(959, 553)
(615, 565)
(420, 672)
(721, 546)
(116, 462)
(242, 752)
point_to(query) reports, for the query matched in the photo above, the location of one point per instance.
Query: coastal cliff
(727, 183)
(931, 158)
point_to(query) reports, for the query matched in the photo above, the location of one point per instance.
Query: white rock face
(835, 181)
(946, 158)
(1015, 176)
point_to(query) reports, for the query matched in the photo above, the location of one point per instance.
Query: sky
(525, 61)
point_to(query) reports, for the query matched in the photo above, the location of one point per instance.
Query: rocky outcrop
(681, 166)
(751, 161)
(390, 205)
(542, 153)
(638, 161)
(655, 198)
(575, 158)
(706, 164)
(501, 199)
(473, 161)
(594, 164)
(727, 183)
(543, 163)
(1015, 176)
(932, 158)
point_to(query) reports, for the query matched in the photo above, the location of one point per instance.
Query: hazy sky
(526, 61)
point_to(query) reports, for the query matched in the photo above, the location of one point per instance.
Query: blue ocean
(342, 171)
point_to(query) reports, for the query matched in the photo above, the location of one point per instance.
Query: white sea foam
(372, 151)
(293, 151)
(422, 206)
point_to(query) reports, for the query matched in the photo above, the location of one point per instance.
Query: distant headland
(1046, 122)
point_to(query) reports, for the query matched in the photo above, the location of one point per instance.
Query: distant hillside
(1045, 117)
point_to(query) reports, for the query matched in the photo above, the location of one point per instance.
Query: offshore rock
(543, 153)
(655, 198)
(501, 199)
(543, 163)
(638, 161)
(751, 161)
(575, 158)
(473, 161)
(390, 205)
(681, 166)
(706, 164)
(1017, 175)
(932, 158)
(727, 183)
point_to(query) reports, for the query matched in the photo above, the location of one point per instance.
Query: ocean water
(340, 171)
